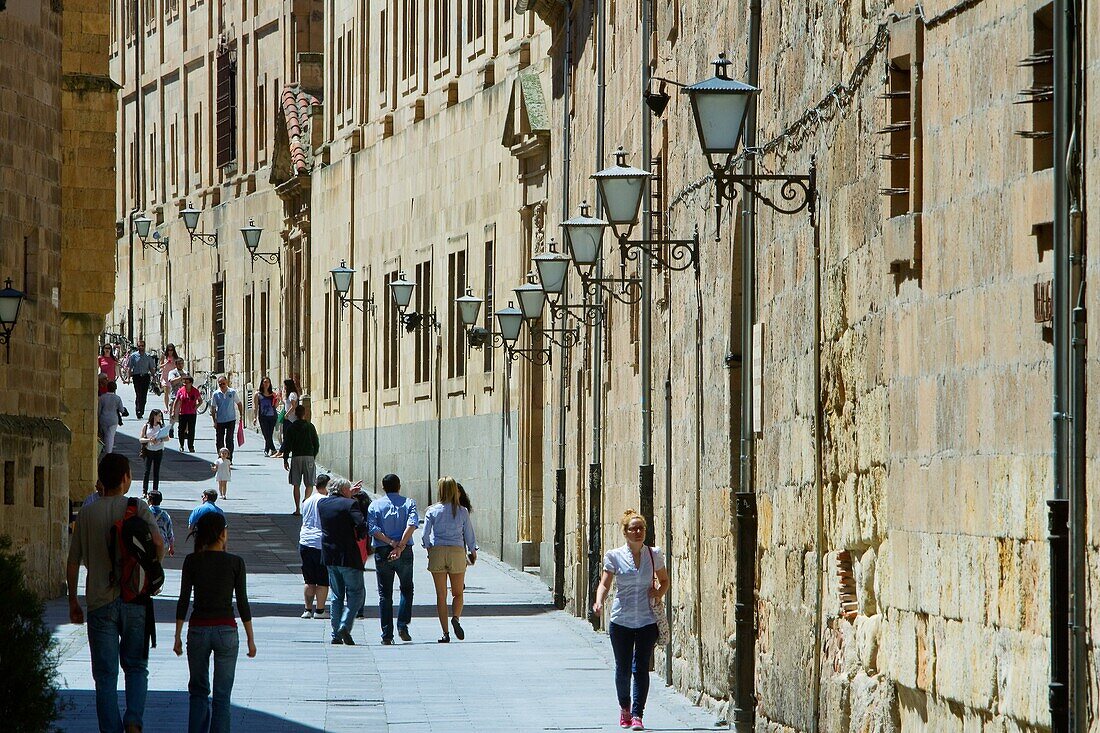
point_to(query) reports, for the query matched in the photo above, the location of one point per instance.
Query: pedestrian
(111, 411)
(167, 364)
(289, 410)
(164, 522)
(392, 519)
(216, 577)
(116, 630)
(175, 381)
(266, 405)
(101, 384)
(225, 410)
(185, 408)
(314, 572)
(153, 442)
(107, 362)
(299, 450)
(451, 545)
(222, 469)
(640, 578)
(141, 366)
(207, 506)
(342, 524)
(464, 499)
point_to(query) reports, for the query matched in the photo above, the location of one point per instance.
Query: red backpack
(135, 568)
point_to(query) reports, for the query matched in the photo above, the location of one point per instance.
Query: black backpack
(139, 573)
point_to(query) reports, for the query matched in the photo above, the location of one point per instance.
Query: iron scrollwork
(626, 290)
(540, 357)
(587, 313)
(672, 254)
(796, 194)
(210, 240)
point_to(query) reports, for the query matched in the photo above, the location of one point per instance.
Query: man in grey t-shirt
(116, 630)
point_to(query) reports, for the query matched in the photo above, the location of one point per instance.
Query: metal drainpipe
(745, 605)
(563, 365)
(645, 345)
(668, 506)
(138, 170)
(819, 450)
(351, 327)
(595, 469)
(1058, 506)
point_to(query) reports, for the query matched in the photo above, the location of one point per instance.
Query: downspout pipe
(645, 340)
(563, 361)
(744, 714)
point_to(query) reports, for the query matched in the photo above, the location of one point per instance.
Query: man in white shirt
(314, 572)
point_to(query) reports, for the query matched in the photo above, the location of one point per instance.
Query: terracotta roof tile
(296, 109)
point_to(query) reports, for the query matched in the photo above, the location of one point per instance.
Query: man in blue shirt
(227, 408)
(209, 496)
(141, 366)
(391, 520)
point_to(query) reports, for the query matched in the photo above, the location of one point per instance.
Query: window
(327, 390)
(264, 333)
(456, 335)
(441, 37)
(9, 482)
(410, 42)
(196, 141)
(489, 271)
(261, 117)
(1040, 95)
(902, 96)
(475, 21)
(337, 353)
(174, 148)
(383, 55)
(390, 352)
(247, 336)
(423, 359)
(40, 486)
(365, 360)
(218, 316)
(227, 104)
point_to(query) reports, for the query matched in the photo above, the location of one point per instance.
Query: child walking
(221, 470)
(164, 521)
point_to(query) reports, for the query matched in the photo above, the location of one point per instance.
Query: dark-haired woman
(290, 405)
(267, 407)
(154, 449)
(216, 576)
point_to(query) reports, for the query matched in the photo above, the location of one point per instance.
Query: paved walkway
(524, 665)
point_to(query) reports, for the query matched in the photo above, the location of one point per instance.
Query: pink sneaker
(624, 718)
(636, 723)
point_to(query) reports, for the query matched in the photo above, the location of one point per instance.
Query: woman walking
(110, 415)
(215, 576)
(267, 406)
(290, 405)
(107, 362)
(640, 577)
(450, 542)
(154, 450)
(185, 407)
(167, 364)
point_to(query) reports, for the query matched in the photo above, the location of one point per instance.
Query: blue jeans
(224, 643)
(385, 570)
(348, 594)
(116, 634)
(633, 650)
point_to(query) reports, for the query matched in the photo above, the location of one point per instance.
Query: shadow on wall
(166, 712)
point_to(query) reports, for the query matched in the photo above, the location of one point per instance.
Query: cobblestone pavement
(524, 666)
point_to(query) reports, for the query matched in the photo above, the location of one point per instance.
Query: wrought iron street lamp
(190, 216)
(251, 236)
(532, 301)
(10, 300)
(341, 282)
(553, 268)
(584, 237)
(402, 291)
(720, 105)
(141, 226)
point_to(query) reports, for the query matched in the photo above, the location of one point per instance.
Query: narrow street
(524, 666)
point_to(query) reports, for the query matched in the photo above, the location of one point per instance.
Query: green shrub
(28, 661)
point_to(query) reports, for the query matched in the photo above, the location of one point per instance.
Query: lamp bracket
(210, 240)
(478, 337)
(569, 338)
(588, 313)
(798, 192)
(673, 254)
(367, 307)
(270, 258)
(626, 290)
(156, 244)
(413, 321)
(541, 357)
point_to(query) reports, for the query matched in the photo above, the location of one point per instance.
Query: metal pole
(745, 600)
(645, 345)
(668, 512)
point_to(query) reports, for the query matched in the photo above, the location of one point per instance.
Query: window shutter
(227, 104)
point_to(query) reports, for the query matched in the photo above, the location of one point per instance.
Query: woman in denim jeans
(639, 575)
(215, 576)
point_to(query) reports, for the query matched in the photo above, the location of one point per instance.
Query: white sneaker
(322, 614)
(307, 614)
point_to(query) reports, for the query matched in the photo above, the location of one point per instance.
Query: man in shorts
(314, 572)
(300, 446)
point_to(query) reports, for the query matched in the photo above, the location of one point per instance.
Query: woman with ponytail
(451, 545)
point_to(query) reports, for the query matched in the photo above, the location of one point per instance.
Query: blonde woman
(450, 542)
(639, 574)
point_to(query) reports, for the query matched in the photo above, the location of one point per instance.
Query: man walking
(314, 572)
(227, 409)
(116, 630)
(300, 446)
(342, 525)
(141, 366)
(209, 497)
(392, 519)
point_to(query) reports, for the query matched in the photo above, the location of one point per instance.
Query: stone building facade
(56, 227)
(363, 133)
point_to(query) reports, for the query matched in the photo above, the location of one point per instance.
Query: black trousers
(141, 389)
(152, 463)
(267, 427)
(225, 436)
(187, 431)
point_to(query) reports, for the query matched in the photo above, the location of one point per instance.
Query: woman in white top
(450, 542)
(639, 575)
(290, 404)
(154, 450)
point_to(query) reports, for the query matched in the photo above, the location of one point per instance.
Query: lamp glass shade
(532, 299)
(251, 235)
(552, 268)
(141, 226)
(584, 237)
(719, 105)
(621, 189)
(469, 306)
(510, 321)
(402, 290)
(10, 300)
(190, 217)
(341, 278)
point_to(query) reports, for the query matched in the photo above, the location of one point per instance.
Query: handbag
(240, 433)
(658, 606)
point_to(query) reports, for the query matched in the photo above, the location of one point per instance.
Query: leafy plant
(28, 661)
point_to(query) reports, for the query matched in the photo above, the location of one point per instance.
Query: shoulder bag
(658, 605)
